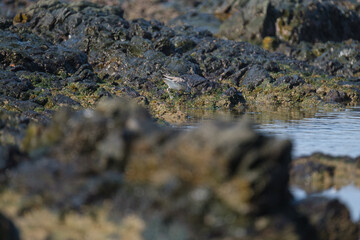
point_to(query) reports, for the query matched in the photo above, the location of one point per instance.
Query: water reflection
(348, 195)
(335, 133)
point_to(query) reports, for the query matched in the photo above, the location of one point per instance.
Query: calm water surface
(335, 133)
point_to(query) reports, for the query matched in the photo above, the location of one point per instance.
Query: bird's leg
(168, 90)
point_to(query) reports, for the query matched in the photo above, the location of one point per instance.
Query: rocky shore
(86, 150)
(57, 54)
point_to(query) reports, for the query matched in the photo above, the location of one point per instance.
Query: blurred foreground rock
(330, 218)
(115, 167)
(217, 178)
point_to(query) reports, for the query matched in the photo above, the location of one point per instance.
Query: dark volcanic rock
(336, 96)
(291, 81)
(28, 60)
(61, 100)
(12, 86)
(271, 66)
(255, 76)
(235, 97)
(34, 71)
(339, 59)
(199, 84)
(32, 53)
(195, 48)
(131, 55)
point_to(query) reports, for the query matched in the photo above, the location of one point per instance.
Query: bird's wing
(174, 79)
(168, 76)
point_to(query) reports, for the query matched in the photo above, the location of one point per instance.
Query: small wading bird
(176, 83)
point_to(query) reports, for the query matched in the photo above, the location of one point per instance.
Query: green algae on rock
(34, 72)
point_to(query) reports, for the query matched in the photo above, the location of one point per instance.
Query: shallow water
(336, 133)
